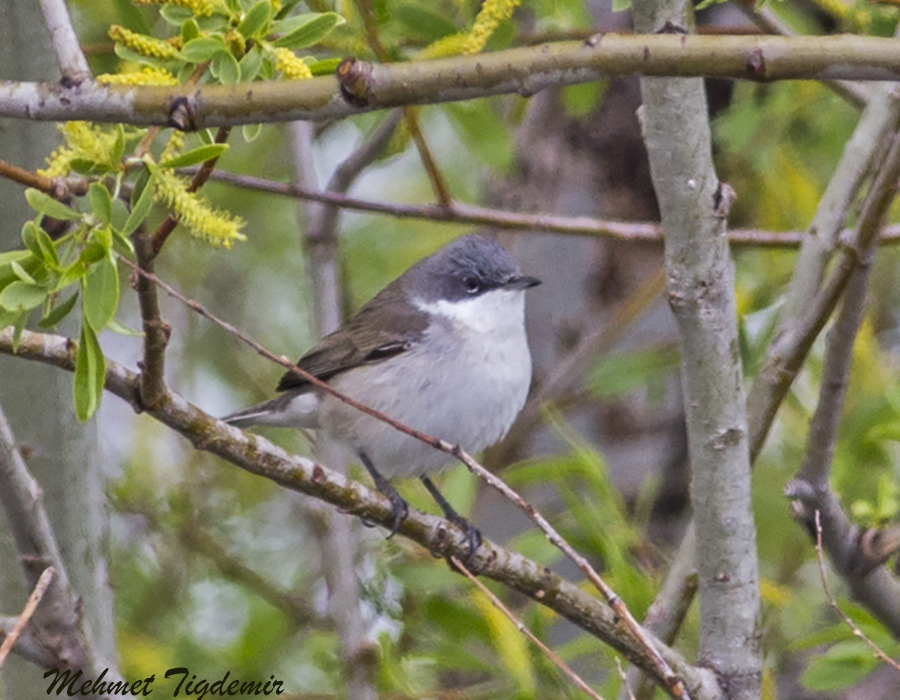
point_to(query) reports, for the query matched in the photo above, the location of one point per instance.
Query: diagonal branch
(258, 456)
(673, 683)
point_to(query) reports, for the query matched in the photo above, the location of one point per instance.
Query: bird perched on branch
(441, 349)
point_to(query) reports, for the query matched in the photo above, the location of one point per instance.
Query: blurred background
(184, 560)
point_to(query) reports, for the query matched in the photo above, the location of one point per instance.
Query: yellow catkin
(83, 141)
(201, 8)
(141, 43)
(215, 227)
(174, 146)
(445, 46)
(491, 14)
(292, 67)
(148, 75)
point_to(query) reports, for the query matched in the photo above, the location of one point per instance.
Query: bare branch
(25, 616)
(257, 455)
(72, 62)
(522, 71)
(857, 632)
(545, 650)
(467, 214)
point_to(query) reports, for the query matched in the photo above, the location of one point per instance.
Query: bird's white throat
(500, 312)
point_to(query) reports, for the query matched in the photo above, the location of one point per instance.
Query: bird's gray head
(468, 267)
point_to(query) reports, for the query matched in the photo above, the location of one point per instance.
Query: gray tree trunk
(61, 453)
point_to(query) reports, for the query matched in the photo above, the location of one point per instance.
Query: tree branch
(55, 637)
(876, 589)
(72, 62)
(522, 71)
(694, 208)
(258, 456)
(468, 214)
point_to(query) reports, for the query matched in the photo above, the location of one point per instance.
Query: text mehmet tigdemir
(71, 684)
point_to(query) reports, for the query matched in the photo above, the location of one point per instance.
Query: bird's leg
(472, 534)
(400, 507)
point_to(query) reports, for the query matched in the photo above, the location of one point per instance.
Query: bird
(442, 349)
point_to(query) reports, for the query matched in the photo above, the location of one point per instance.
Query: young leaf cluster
(236, 40)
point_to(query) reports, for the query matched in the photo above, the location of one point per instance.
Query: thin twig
(545, 650)
(71, 59)
(30, 606)
(411, 114)
(626, 686)
(615, 602)
(635, 232)
(857, 632)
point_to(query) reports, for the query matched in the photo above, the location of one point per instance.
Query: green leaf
(139, 184)
(59, 312)
(93, 252)
(621, 5)
(19, 272)
(326, 67)
(18, 329)
(845, 664)
(226, 68)
(101, 293)
(256, 19)
(48, 249)
(101, 202)
(122, 243)
(251, 132)
(117, 327)
(286, 8)
(22, 296)
(250, 64)
(175, 15)
(202, 49)
(424, 23)
(189, 30)
(45, 204)
(90, 373)
(131, 17)
(119, 147)
(14, 256)
(127, 54)
(72, 273)
(140, 209)
(196, 155)
(310, 32)
(8, 318)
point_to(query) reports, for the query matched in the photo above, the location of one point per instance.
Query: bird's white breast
(465, 382)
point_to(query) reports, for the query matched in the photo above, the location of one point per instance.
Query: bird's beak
(521, 282)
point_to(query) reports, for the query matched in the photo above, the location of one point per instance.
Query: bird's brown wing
(385, 327)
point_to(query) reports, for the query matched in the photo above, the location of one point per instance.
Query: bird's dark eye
(473, 286)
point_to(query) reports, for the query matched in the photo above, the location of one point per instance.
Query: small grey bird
(441, 349)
